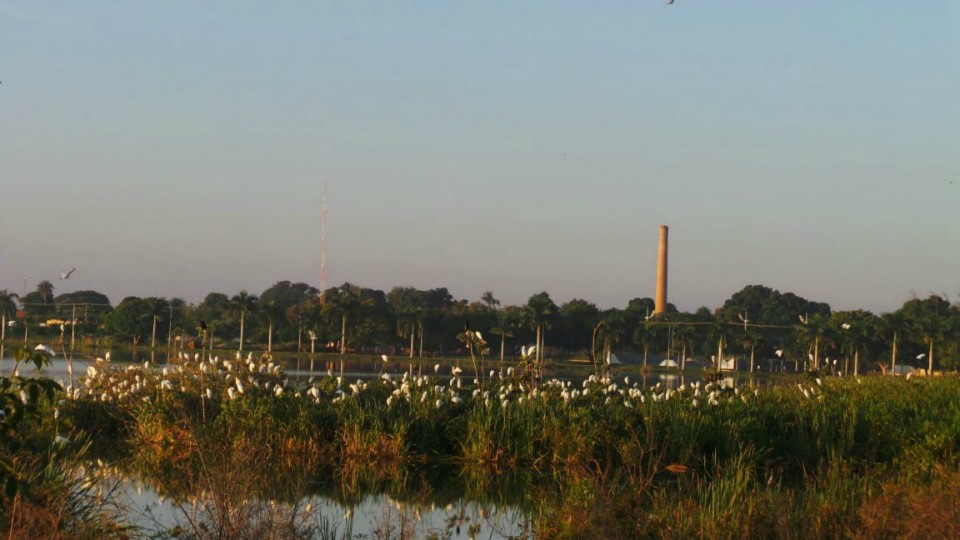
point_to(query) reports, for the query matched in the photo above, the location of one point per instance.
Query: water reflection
(315, 514)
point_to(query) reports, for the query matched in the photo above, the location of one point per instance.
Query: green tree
(408, 305)
(45, 289)
(277, 303)
(575, 323)
(8, 310)
(490, 301)
(244, 304)
(769, 306)
(685, 335)
(854, 331)
(39, 303)
(646, 335)
(749, 339)
(363, 314)
(812, 332)
(540, 311)
(927, 321)
(132, 319)
(610, 331)
(214, 306)
(893, 326)
(509, 322)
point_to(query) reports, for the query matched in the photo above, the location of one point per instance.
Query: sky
(175, 148)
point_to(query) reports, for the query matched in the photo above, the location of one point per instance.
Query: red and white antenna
(323, 249)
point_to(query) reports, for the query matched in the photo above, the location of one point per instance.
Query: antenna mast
(323, 249)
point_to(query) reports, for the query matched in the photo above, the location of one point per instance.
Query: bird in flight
(668, 2)
(66, 275)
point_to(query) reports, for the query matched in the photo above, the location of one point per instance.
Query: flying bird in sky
(66, 275)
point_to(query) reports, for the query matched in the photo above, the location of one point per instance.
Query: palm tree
(346, 301)
(45, 288)
(273, 311)
(611, 330)
(749, 340)
(927, 321)
(895, 324)
(8, 308)
(645, 335)
(509, 320)
(719, 331)
(407, 326)
(540, 310)
(491, 302)
(849, 338)
(244, 303)
(812, 330)
(685, 336)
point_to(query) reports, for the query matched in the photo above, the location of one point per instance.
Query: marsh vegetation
(241, 451)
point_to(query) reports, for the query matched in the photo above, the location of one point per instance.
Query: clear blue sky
(175, 148)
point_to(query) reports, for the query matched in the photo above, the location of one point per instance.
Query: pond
(425, 507)
(300, 368)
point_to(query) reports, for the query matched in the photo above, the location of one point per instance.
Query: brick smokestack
(660, 302)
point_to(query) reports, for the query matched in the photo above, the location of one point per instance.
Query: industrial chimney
(660, 302)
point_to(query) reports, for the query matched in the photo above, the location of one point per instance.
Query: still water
(374, 516)
(299, 368)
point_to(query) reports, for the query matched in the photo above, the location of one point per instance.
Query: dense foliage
(756, 321)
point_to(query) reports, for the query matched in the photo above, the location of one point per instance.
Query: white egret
(45, 349)
(921, 356)
(66, 275)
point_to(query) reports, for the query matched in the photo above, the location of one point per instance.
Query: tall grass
(701, 461)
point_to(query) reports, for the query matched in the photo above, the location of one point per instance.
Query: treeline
(756, 321)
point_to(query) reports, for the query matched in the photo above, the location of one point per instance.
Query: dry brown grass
(914, 511)
(51, 514)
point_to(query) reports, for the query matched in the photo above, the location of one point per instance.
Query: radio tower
(323, 250)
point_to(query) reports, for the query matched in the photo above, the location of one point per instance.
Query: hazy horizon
(175, 149)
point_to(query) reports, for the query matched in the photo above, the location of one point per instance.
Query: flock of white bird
(216, 379)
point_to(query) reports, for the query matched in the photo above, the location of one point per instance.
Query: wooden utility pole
(893, 356)
(242, 314)
(73, 323)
